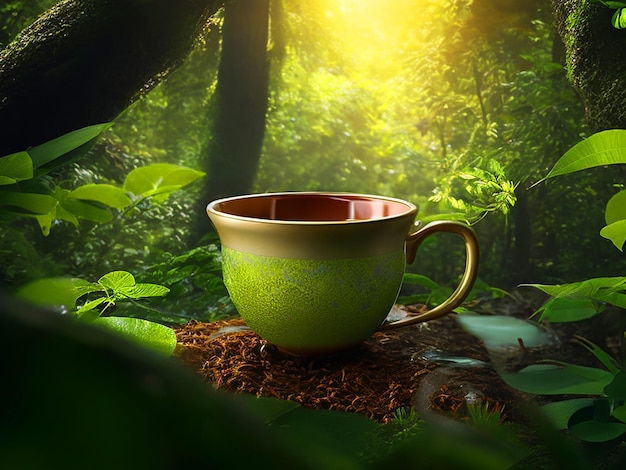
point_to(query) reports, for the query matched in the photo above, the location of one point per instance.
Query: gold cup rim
(213, 207)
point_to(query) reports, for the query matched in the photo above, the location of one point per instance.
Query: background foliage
(456, 105)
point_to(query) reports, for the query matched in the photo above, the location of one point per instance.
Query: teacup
(317, 273)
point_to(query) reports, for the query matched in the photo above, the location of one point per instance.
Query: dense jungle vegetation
(459, 106)
(456, 106)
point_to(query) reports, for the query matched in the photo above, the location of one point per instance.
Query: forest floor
(436, 367)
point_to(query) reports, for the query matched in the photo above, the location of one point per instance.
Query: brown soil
(392, 369)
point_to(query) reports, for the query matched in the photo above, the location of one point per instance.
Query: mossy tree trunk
(596, 60)
(84, 61)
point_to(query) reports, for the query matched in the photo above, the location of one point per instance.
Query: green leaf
(90, 305)
(63, 214)
(142, 290)
(85, 210)
(616, 232)
(551, 379)
(603, 289)
(159, 179)
(116, 280)
(45, 221)
(617, 388)
(602, 148)
(564, 309)
(620, 413)
(615, 208)
(420, 280)
(15, 167)
(606, 360)
(154, 335)
(57, 291)
(53, 149)
(614, 298)
(597, 431)
(582, 289)
(560, 412)
(618, 20)
(338, 431)
(27, 203)
(106, 194)
(615, 217)
(601, 410)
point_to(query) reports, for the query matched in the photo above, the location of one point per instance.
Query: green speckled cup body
(312, 306)
(313, 273)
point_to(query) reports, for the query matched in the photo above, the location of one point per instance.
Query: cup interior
(312, 207)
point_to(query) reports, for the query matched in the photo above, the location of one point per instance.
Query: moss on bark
(84, 61)
(596, 60)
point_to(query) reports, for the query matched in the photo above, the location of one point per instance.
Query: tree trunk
(84, 61)
(596, 60)
(240, 100)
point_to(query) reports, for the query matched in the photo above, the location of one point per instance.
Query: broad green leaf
(615, 217)
(27, 203)
(481, 286)
(602, 408)
(605, 289)
(154, 335)
(56, 291)
(602, 148)
(597, 431)
(582, 289)
(420, 280)
(63, 214)
(106, 194)
(85, 210)
(620, 413)
(617, 388)
(564, 309)
(53, 149)
(15, 167)
(269, 409)
(607, 361)
(551, 379)
(142, 290)
(618, 20)
(45, 221)
(160, 194)
(338, 431)
(338, 437)
(615, 208)
(616, 232)
(117, 280)
(159, 178)
(502, 331)
(560, 412)
(614, 298)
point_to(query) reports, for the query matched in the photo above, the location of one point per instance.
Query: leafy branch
(599, 414)
(90, 201)
(64, 293)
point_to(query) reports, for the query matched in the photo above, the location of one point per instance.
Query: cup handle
(413, 242)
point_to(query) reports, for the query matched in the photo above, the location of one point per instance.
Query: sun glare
(377, 33)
